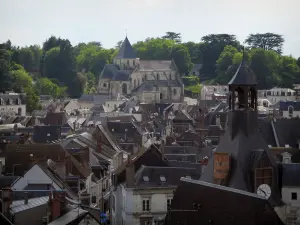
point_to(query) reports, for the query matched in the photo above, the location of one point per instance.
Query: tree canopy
(58, 68)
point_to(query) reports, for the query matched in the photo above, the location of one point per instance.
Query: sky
(27, 22)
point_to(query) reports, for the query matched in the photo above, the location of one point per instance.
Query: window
(148, 222)
(174, 91)
(291, 111)
(162, 178)
(146, 205)
(157, 77)
(104, 84)
(1, 101)
(133, 62)
(146, 178)
(294, 196)
(128, 62)
(169, 203)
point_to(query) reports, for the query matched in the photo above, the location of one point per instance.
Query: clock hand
(263, 191)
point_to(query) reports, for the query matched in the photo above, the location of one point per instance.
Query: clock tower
(242, 160)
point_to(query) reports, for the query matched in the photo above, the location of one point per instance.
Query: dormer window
(157, 77)
(291, 111)
(174, 91)
(1, 101)
(9, 101)
(289, 94)
(18, 101)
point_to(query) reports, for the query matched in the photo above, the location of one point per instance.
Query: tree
(172, 36)
(26, 59)
(266, 41)
(21, 80)
(46, 87)
(194, 51)
(119, 44)
(32, 100)
(212, 47)
(164, 49)
(5, 77)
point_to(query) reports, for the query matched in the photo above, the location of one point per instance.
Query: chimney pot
(25, 198)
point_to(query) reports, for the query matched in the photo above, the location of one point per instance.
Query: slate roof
(284, 105)
(70, 216)
(290, 175)
(219, 205)
(114, 72)
(156, 65)
(19, 205)
(287, 131)
(185, 164)
(44, 134)
(126, 51)
(14, 98)
(243, 76)
(163, 176)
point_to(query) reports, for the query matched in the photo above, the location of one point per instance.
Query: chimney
(26, 198)
(6, 197)
(56, 204)
(1, 167)
(130, 172)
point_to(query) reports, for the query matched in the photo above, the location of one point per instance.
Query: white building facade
(12, 104)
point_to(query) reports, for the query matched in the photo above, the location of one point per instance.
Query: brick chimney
(56, 204)
(130, 172)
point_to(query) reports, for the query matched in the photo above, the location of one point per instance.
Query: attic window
(146, 178)
(162, 179)
(48, 135)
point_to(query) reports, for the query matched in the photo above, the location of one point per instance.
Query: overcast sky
(27, 22)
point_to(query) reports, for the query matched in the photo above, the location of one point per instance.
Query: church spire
(126, 51)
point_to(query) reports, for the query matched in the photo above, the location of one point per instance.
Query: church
(149, 80)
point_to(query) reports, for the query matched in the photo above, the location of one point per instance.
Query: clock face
(264, 190)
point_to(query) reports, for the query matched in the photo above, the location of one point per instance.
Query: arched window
(291, 111)
(174, 91)
(124, 88)
(19, 111)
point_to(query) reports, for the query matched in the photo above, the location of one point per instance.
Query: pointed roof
(126, 51)
(243, 76)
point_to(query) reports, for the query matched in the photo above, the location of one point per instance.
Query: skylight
(146, 178)
(162, 179)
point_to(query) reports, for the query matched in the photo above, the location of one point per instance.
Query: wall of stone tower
(127, 63)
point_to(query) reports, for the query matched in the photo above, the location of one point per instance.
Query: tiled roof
(14, 98)
(126, 51)
(97, 99)
(19, 206)
(151, 85)
(151, 176)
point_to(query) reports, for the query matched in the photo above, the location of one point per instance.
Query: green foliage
(192, 83)
(165, 49)
(58, 68)
(45, 86)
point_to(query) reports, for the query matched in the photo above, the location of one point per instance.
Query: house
(196, 70)
(213, 92)
(289, 109)
(291, 189)
(148, 80)
(276, 94)
(146, 195)
(12, 104)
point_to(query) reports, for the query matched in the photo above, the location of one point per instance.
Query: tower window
(291, 111)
